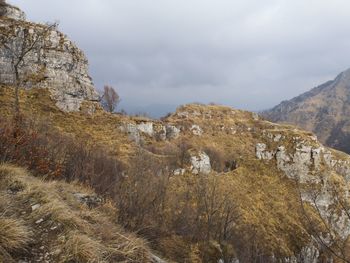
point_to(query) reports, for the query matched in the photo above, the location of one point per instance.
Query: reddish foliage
(23, 145)
(52, 155)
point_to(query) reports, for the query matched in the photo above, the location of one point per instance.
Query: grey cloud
(249, 54)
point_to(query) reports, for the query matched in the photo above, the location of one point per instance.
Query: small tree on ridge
(111, 98)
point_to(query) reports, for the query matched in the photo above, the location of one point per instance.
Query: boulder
(200, 163)
(196, 130)
(89, 200)
(261, 153)
(146, 128)
(132, 130)
(172, 132)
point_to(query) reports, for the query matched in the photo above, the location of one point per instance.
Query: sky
(248, 54)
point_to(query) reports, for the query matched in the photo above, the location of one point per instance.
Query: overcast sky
(249, 54)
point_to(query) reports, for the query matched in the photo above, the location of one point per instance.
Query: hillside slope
(59, 222)
(324, 110)
(254, 171)
(207, 183)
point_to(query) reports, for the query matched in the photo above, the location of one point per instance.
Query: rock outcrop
(54, 62)
(196, 130)
(313, 167)
(200, 163)
(11, 12)
(156, 130)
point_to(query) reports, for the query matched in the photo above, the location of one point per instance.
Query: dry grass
(77, 233)
(266, 200)
(14, 234)
(101, 128)
(81, 248)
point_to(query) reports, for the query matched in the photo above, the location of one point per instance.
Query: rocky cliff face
(324, 110)
(55, 62)
(311, 164)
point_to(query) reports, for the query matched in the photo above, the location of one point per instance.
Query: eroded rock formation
(55, 62)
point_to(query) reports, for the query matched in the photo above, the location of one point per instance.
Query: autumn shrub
(141, 193)
(21, 143)
(50, 154)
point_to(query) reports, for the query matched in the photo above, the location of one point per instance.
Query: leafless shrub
(141, 192)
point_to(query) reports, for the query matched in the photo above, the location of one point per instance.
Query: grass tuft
(81, 248)
(14, 234)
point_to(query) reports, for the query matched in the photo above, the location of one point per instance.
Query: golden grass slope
(44, 221)
(267, 202)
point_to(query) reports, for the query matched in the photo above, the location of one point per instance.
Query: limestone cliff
(58, 63)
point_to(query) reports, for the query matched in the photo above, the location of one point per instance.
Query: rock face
(11, 12)
(55, 62)
(311, 164)
(200, 163)
(146, 127)
(196, 130)
(150, 129)
(261, 152)
(324, 110)
(172, 132)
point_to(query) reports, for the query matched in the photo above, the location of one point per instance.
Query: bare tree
(19, 44)
(111, 98)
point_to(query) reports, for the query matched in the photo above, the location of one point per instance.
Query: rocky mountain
(207, 183)
(324, 110)
(62, 66)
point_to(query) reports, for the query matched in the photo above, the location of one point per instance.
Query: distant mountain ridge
(324, 110)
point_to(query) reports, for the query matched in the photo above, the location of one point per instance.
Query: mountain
(206, 183)
(324, 110)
